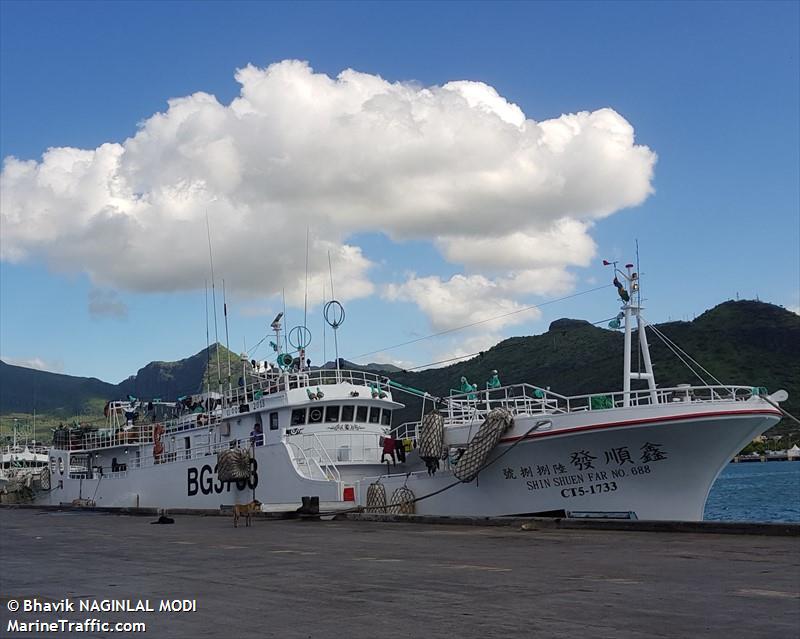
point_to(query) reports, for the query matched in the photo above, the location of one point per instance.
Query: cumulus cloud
(462, 300)
(104, 304)
(498, 192)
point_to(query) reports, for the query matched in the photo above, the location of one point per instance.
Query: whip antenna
(334, 316)
(227, 339)
(214, 300)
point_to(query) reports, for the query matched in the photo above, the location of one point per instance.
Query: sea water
(756, 491)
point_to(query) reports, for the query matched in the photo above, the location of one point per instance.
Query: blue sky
(711, 89)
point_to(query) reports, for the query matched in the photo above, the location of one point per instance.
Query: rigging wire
(677, 354)
(699, 365)
(454, 359)
(484, 321)
(608, 319)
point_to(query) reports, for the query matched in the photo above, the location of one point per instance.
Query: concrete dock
(353, 579)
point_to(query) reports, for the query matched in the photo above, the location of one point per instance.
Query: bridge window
(386, 417)
(374, 415)
(347, 413)
(361, 414)
(332, 414)
(315, 416)
(298, 416)
(273, 423)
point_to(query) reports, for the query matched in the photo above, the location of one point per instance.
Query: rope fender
(233, 464)
(497, 422)
(376, 498)
(430, 440)
(402, 502)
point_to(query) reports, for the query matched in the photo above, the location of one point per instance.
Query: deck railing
(334, 448)
(259, 386)
(527, 400)
(142, 433)
(132, 462)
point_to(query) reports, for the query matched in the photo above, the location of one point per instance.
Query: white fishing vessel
(292, 432)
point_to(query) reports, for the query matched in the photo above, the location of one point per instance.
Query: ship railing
(133, 462)
(80, 440)
(333, 448)
(302, 460)
(196, 420)
(527, 400)
(134, 435)
(260, 386)
(406, 430)
(519, 399)
(330, 466)
(683, 393)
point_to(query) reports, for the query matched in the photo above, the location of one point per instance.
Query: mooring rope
(536, 426)
(785, 413)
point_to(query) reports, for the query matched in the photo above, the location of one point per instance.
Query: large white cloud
(499, 193)
(462, 300)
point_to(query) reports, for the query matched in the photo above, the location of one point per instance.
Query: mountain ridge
(739, 341)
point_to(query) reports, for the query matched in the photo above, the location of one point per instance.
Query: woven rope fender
(44, 478)
(376, 498)
(233, 464)
(430, 440)
(496, 423)
(402, 501)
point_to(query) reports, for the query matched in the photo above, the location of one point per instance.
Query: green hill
(57, 397)
(23, 389)
(170, 380)
(745, 342)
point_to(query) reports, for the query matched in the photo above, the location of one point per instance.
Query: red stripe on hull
(634, 422)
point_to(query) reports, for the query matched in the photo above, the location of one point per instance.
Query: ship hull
(647, 463)
(193, 484)
(660, 468)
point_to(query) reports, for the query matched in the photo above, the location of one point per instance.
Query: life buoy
(158, 446)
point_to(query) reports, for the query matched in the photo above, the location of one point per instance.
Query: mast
(632, 308)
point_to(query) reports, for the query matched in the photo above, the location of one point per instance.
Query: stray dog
(245, 510)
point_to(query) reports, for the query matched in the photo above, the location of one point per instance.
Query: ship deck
(294, 578)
